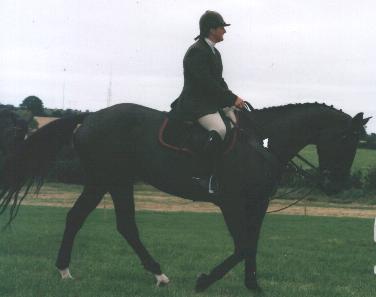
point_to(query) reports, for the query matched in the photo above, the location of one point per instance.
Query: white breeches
(213, 121)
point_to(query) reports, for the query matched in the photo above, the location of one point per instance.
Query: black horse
(13, 130)
(119, 145)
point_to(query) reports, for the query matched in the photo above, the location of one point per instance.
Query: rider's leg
(212, 149)
(230, 113)
(213, 121)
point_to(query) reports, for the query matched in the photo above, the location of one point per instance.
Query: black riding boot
(212, 151)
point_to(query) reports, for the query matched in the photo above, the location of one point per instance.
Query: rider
(205, 91)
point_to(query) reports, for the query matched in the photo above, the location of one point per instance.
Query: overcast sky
(275, 52)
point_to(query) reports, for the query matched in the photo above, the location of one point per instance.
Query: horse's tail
(28, 164)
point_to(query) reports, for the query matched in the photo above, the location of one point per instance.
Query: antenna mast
(109, 90)
(63, 98)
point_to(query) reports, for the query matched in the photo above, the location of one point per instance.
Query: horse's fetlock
(153, 267)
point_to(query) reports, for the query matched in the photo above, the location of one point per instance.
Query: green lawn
(364, 158)
(298, 256)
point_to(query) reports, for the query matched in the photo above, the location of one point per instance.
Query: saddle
(189, 137)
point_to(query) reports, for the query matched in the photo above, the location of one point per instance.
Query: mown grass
(364, 158)
(298, 256)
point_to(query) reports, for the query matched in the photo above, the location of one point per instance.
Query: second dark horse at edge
(119, 145)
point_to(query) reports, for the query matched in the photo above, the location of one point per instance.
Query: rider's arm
(196, 63)
(224, 84)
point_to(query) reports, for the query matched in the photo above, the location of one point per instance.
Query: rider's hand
(239, 102)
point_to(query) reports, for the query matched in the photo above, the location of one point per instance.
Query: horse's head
(336, 148)
(12, 130)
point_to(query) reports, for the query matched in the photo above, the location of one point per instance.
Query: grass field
(149, 198)
(298, 256)
(364, 158)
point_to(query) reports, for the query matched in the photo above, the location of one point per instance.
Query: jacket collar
(207, 46)
(211, 44)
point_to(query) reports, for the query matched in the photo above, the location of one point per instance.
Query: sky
(67, 52)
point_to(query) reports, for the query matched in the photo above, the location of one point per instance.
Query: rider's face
(217, 34)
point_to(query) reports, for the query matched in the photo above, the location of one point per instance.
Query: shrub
(370, 179)
(356, 179)
(291, 178)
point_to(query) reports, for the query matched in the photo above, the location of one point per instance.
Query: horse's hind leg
(126, 225)
(85, 204)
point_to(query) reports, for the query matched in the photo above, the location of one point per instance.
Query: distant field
(298, 256)
(149, 198)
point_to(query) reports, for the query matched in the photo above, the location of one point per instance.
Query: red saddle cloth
(189, 137)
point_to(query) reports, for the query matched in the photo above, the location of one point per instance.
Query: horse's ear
(365, 121)
(357, 120)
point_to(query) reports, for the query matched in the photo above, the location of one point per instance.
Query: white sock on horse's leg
(162, 279)
(65, 274)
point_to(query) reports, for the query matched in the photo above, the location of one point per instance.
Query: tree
(368, 141)
(34, 104)
(28, 117)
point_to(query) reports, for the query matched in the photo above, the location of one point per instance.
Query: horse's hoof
(162, 280)
(202, 282)
(65, 273)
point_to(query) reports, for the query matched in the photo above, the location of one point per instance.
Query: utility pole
(109, 97)
(63, 97)
(109, 90)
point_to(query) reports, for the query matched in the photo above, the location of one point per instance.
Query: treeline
(67, 167)
(368, 141)
(33, 106)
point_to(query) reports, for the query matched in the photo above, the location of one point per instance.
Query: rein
(304, 173)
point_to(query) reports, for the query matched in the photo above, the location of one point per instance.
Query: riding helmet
(210, 20)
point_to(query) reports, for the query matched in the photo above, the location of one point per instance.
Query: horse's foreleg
(234, 215)
(125, 220)
(255, 214)
(84, 205)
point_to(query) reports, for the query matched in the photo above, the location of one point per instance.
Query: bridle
(304, 173)
(315, 177)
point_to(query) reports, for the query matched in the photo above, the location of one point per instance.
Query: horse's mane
(294, 105)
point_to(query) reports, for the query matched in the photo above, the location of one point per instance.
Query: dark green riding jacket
(205, 91)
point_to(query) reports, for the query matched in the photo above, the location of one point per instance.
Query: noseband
(316, 177)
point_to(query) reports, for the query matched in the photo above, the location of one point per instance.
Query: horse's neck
(290, 130)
